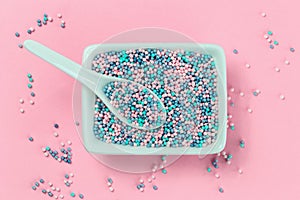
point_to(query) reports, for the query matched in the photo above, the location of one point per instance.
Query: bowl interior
(93, 145)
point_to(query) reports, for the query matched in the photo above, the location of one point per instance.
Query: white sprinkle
(229, 116)
(53, 188)
(63, 22)
(65, 181)
(57, 189)
(109, 184)
(50, 19)
(141, 181)
(228, 98)
(69, 142)
(46, 154)
(55, 134)
(59, 15)
(111, 189)
(277, 69)
(149, 180)
(62, 144)
(286, 62)
(228, 162)
(71, 174)
(223, 153)
(263, 14)
(21, 101)
(282, 97)
(43, 149)
(59, 159)
(240, 171)
(61, 196)
(269, 40)
(55, 197)
(242, 94)
(219, 154)
(231, 89)
(31, 102)
(258, 91)
(225, 156)
(250, 110)
(22, 110)
(266, 36)
(217, 175)
(153, 177)
(50, 184)
(141, 189)
(70, 181)
(247, 66)
(32, 29)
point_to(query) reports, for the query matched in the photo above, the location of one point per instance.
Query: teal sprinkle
(208, 169)
(164, 171)
(270, 33)
(72, 194)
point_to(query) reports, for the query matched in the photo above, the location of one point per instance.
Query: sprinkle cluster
(184, 81)
(135, 103)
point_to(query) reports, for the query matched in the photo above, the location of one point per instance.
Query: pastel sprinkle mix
(165, 82)
(17, 34)
(292, 50)
(81, 196)
(235, 51)
(164, 171)
(155, 187)
(270, 33)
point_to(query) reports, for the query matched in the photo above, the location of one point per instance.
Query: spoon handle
(83, 75)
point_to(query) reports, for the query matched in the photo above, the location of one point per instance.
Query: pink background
(269, 161)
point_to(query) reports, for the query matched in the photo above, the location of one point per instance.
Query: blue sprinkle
(44, 22)
(81, 196)
(292, 49)
(50, 194)
(67, 176)
(29, 31)
(56, 126)
(39, 24)
(235, 51)
(20, 46)
(37, 184)
(110, 180)
(271, 46)
(42, 180)
(32, 94)
(63, 25)
(44, 191)
(33, 187)
(38, 21)
(155, 187)
(30, 139)
(17, 34)
(221, 190)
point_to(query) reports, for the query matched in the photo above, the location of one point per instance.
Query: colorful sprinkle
(235, 51)
(155, 187)
(292, 50)
(17, 34)
(72, 194)
(270, 33)
(221, 190)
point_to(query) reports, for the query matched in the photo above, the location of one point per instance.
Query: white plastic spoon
(97, 82)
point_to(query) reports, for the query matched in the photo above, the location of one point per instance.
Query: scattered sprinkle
(17, 34)
(263, 14)
(22, 110)
(277, 69)
(240, 171)
(271, 46)
(20, 46)
(208, 169)
(282, 97)
(270, 33)
(32, 94)
(155, 187)
(221, 190)
(247, 66)
(276, 42)
(56, 126)
(29, 85)
(81, 196)
(72, 194)
(250, 110)
(292, 50)
(21, 101)
(242, 143)
(31, 102)
(235, 51)
(286, 62)
(242, 94)
(164, 171)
